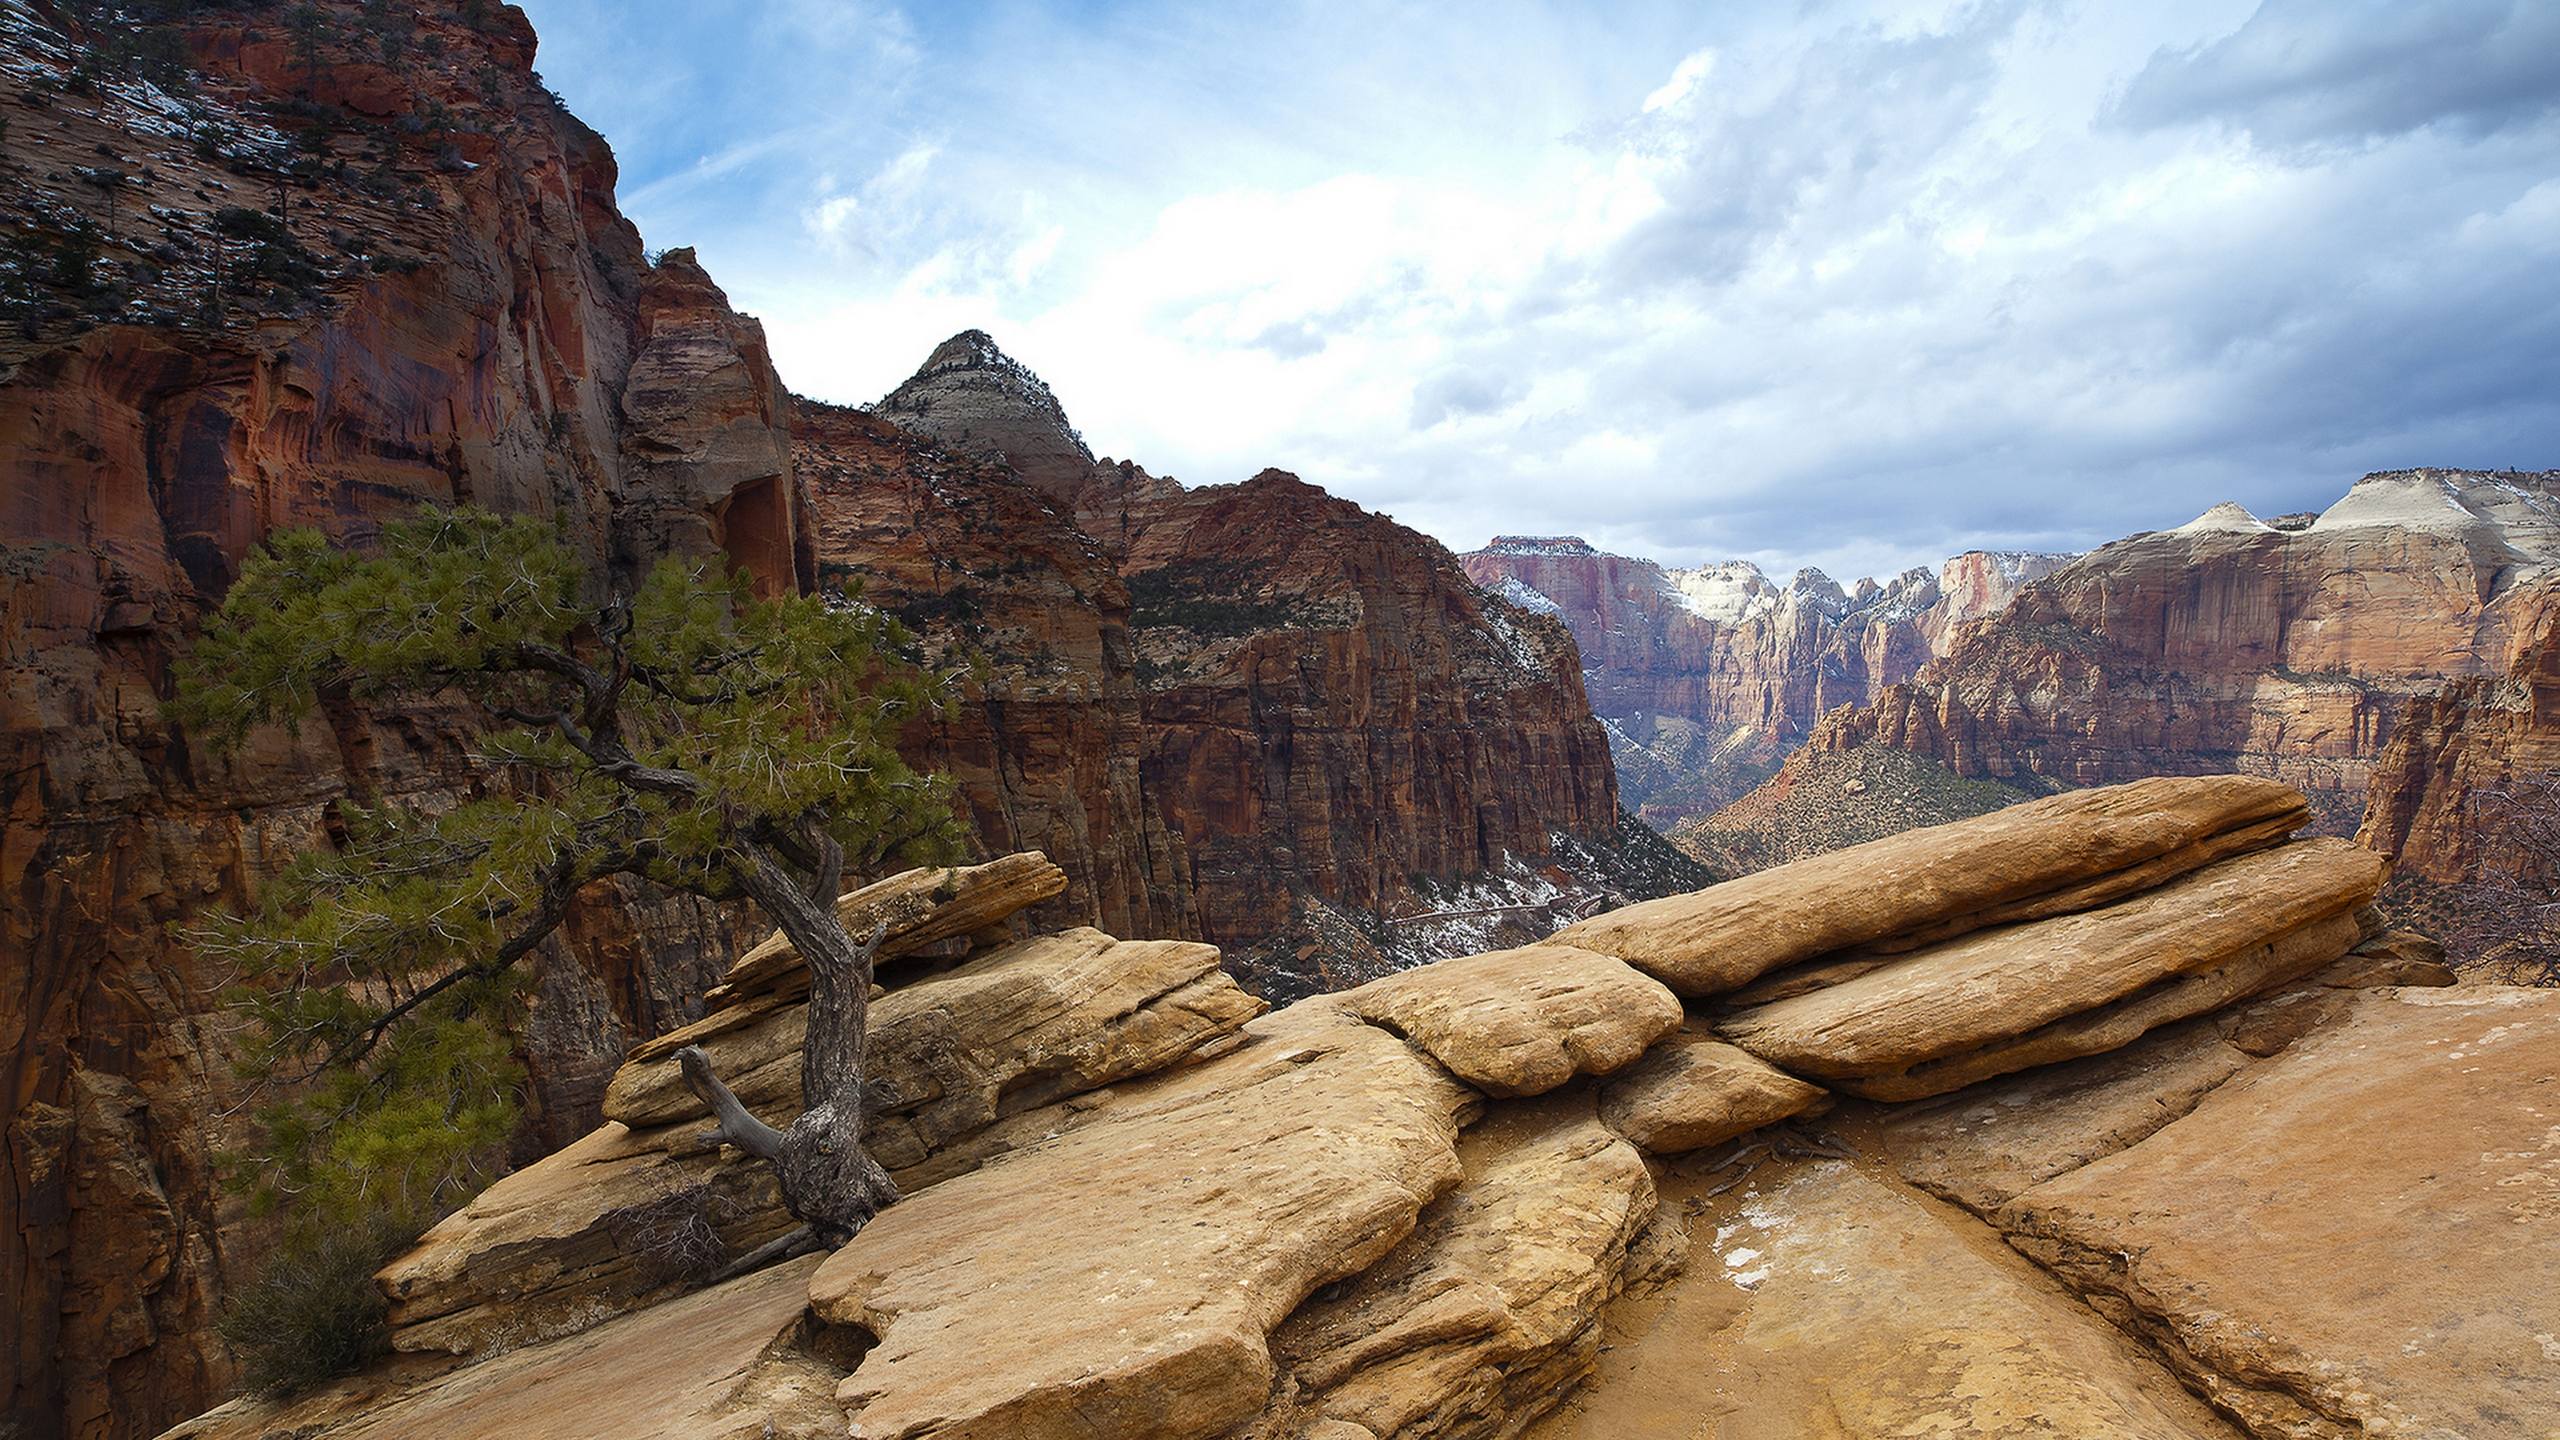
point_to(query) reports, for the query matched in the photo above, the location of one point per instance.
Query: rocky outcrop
(295, 295)
(2215, 1192)
(2055, 856)
(2027, 995)
(1253, 714)
(1709, 677)
(982, 403)
(642, 1207)
(1694, 1091)
(2230, 644)
(1438, 1205)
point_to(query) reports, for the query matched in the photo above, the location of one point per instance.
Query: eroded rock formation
(1709, 677)
(1427, 1207)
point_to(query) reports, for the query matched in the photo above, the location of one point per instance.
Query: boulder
(1693, 1091)
(2047, 857)
(1017, 1027)
(1522, 1022)
(1940, 1018)
(1125, 1277)
(2360, 1236)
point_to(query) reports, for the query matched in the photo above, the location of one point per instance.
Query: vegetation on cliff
(685, 734)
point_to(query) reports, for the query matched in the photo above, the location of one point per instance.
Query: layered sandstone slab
(1488, 1315)
(1522, 1022)
(1693, 1090)
(1024, 1025)
(1124, 1279)
(584, 1233)
(914, 908)
(2360, 1236)
(2048, 857)
(2006, 999)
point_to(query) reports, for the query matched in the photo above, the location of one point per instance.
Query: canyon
(1276, 1026)
(2291, 649)
(2389, 655)
(1272, 720)
(259, 278)
(1707, 678)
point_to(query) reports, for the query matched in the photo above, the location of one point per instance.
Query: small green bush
(313, 1313)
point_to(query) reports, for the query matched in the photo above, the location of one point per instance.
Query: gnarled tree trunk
(829, 1179)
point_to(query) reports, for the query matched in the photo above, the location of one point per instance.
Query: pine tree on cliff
(681, 733)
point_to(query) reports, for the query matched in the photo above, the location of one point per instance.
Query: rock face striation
(2231, 644)
(243, 291)
(1504, 1194)
(1269, 718)
(1709, 677)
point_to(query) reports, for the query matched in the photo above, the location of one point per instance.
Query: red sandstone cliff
(2230, 644)
(1709, 677)
(242, 291)
(2478, 734)
(1268, 718)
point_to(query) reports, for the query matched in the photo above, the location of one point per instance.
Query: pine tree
(680, 732)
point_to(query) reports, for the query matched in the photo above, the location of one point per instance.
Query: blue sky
(1851, 284)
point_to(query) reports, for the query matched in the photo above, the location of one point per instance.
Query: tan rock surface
(1724, 936)
(1488, 1314)
(2360, 1236)
(1522, 1022)
(730, 1363)
(920, 907)
(566, 1241)
(1693, 1090)
(1827, 1302)
(1123, 1279)
(2254, 971)
(1999, 985)
(1017, 1027)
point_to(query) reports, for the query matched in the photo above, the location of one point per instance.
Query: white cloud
(1851, 283)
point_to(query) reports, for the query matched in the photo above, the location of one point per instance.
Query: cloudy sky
(1853, 284)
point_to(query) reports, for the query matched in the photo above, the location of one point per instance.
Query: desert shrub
(312, 1312)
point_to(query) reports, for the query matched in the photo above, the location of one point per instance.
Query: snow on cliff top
(1538, 545)
(1527, 597)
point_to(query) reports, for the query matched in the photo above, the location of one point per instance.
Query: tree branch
(736, 1126)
